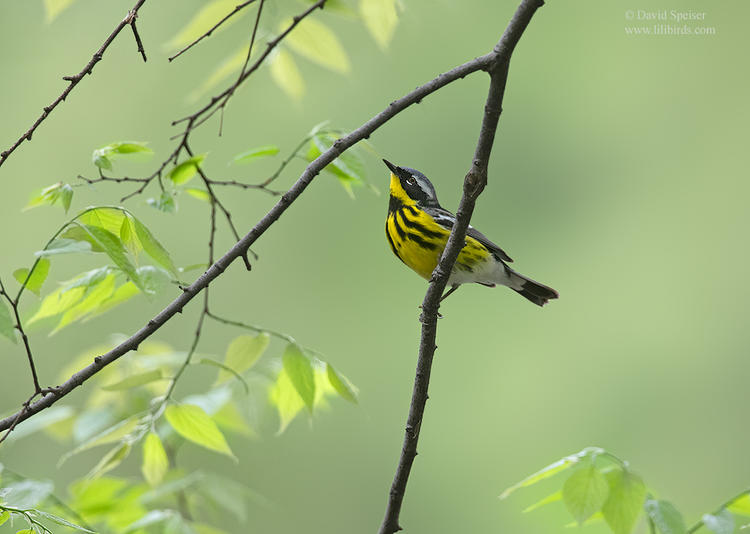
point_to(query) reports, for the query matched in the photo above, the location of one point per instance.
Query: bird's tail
(537, 293)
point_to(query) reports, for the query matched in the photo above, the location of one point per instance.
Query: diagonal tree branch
(474, 183)
(129, 20)
(52, 395)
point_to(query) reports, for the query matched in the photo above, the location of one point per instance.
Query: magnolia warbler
(417, 228)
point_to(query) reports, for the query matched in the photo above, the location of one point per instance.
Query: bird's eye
(410, 180)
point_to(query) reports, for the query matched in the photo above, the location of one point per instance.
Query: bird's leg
(445, 295)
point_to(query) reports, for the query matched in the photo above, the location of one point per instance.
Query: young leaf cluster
(132, 412)
(602, 487)
(19, 500)
(117, 234)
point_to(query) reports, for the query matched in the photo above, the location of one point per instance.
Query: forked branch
(474, 182)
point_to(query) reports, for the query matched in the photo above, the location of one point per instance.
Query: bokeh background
(619, 177)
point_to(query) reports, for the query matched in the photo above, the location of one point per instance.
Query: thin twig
(263, 186)
(200, 116)
(240, 248)
(19, 326)
(474, 183)
(73, 80)
(236, 10)
(244, 65)
(215, 200)
(209, 109)
(252, 327)
(698, 525)
(241, 185)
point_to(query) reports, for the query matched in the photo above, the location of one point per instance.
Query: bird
(417, 228)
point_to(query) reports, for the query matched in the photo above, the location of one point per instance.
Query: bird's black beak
(394, 168)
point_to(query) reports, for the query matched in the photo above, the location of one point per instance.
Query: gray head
(413, 184)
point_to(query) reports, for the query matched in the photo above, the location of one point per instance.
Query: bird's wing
(446, 219)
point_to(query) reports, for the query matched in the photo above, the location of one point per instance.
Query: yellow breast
(417, 240)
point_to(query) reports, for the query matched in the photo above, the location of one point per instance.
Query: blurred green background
(619, 177)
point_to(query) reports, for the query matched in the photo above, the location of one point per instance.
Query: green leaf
(26, 493)
(102, 156)
(130, 148)
(348, 167)
(155, 463)
(111, 460)
(596, 518)
(380, 17)
(133, 381)
(585, 492)
(286, 74)
(166, 202)
(315, 41)
(203, 21)
(341, 384)
(57, 302)
(102, 161)
(4, 516)
(552, 469)
(151, 518)
(740, 505)
(111, 434)
(154, 278)
(256, 153)
(21, 274)
(7, 325)
(665, 516)
(64, 246)
(105, 217)
(185, 171)
(50, 195)
(200, 194)
(153, 248)
(27, 531)
(242, 353)
(38, 276)
(721, 523)
(90, 304)
(300, 372)
(557, 496)
(627, 492)
(66, 197)
(53, 8)
(62, 521)
(229, 418)
(123, 293)
(129, 238)
(193, 424)
(114, 248)
(288, 402)
(87, 279)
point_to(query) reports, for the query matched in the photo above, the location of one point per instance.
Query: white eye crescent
(410, 180)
